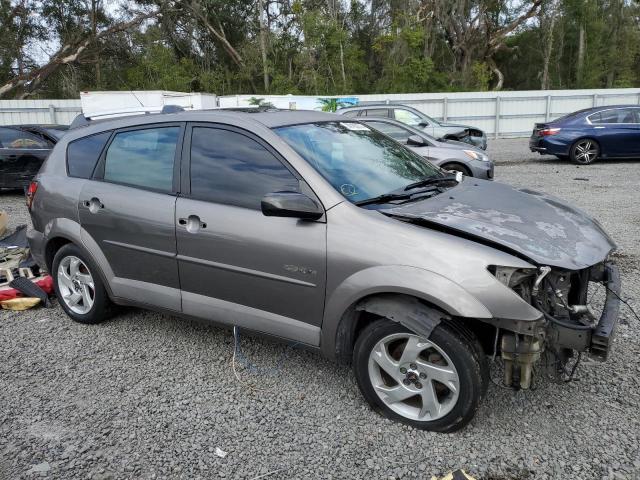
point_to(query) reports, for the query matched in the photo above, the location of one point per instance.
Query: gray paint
(540, 227)
(295, 279)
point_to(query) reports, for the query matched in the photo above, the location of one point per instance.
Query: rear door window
(15, 138)
(143, 158)
(83, 154)
(377, 112)
(231, 168)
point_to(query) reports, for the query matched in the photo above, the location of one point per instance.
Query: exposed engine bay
(570, 323)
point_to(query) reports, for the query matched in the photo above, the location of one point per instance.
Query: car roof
(375, 105)
(269, 118)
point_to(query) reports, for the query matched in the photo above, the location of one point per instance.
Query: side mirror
(423, 123)
(416, 141)
(291, 204)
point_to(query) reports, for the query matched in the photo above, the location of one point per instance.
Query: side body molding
(400, 279)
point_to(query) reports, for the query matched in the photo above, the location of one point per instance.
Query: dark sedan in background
(23, 148)
(586, 135)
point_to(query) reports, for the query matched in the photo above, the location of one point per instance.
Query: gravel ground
(150, 396)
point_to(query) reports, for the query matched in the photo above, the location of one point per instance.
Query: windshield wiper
(439, 181)
(384, 198)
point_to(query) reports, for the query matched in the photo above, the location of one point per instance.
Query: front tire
(433, 383)
(79, 287)
(456, 167)
(585, 151)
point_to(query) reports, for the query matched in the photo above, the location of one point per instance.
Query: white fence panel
(497, 113)
(16, 112)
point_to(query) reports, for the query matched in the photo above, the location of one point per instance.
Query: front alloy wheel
(433, 383)
(413, 377)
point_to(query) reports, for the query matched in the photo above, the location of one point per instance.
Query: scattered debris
(455, 475)
(22, 284)
(19, 303)
(43, 467)
(220, 453)
(4, 220)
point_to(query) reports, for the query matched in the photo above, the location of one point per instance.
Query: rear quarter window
(83, 154)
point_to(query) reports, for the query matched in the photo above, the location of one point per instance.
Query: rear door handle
(192, 223)
(94, 205)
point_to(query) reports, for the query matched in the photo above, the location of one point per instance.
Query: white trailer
(117, 103)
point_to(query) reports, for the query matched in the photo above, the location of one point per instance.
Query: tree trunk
(498, 73)
(580, 62)
(344, 76)
(66, 54)
(548, 50)
(94, 31)
(263, 45)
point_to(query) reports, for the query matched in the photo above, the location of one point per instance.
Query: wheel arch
(62, 231)
(415, 292)
(457, 163)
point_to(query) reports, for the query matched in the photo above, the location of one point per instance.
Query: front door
(128, 209)
(236, 265)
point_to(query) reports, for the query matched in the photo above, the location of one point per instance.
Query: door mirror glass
(416, 141)
(291, 204)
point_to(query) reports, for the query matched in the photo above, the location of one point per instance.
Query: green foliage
(319, 47)
(331, 104)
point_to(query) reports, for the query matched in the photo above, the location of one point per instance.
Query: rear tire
(457, 167)
(446, 377)
(585, 151)
(79, 287)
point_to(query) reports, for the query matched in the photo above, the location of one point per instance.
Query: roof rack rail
(82, 121)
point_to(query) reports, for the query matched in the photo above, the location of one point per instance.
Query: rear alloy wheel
(79, 287)
(585, 151)
(430, 383)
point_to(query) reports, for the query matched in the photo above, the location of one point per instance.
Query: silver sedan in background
(447, 154)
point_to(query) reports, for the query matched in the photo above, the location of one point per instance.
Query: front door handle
(94, 205)
(192, 223)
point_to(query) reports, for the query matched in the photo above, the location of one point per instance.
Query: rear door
(616, 130)
(236, 265)
(21, 155)
(128, 209)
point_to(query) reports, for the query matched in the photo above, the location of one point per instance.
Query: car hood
(540, 227)
(441, 131)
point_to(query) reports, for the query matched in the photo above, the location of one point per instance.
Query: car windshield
(359, 162)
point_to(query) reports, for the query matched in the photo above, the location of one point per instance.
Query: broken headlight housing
(520, 280)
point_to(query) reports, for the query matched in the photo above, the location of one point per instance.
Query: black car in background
(23, 148)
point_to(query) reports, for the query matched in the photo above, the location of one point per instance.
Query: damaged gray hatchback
(315, 229)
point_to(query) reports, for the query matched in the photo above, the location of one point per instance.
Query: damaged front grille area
(571, 325)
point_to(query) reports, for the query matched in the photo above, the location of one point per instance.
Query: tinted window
(351, 113)
(377, 112)
(15, 138)
(83, 154)
(395, 132)
(617, 115)
(405, 116)
(230, 168)
(143, 158)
